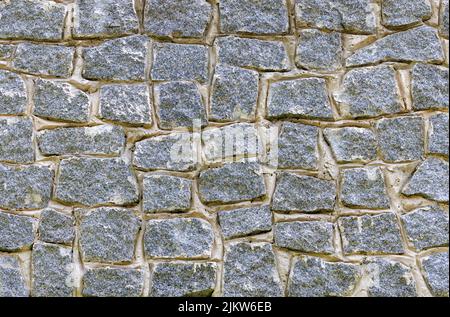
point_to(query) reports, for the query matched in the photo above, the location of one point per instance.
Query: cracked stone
(430, 87)
(13, 96)
(435, 268)
(443, 18)
(438, 135)
(56, 227)
(17, 233)
(12, 279)
(163, 193)
(113, 282)
(16, 140)
(396, 13)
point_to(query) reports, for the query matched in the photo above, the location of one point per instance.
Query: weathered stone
(108, 235)
(7, 51)
(234, 94)
(420, 44)
(396, 13)
(430, 180)
(245, 221)
(163, 193)
(306, 236)
(173, 152)
(60, 101)
(47, 60)
(371, 234)
(443, 18)
(250, 271)
(113, 282)
(252, 53)
(25, 187)
(103, 18)
(352, 144)
(13, 96)
(52, 270)
(300, 193)
(353, 16)
(304, 98)
(259, 17)
(32, 20)
(179, 104)
(181, 18)
(119, 59)
(435, 268)
(438, 135)
(12, 280)
(233, 182)
(178, 238)
(56, 227)
(16, 140)
(430, 87)
(177, 62)
(181, 279)
(401, 139)
(314, 277)
(318, 50)
(369, 92)
(17, 233)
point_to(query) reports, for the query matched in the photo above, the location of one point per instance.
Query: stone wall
(94, 95)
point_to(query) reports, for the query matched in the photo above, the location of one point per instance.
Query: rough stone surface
(438, 135)
(430, 87)
(7, 51)
(12, 280)
(435, 267)
(396, 13)
(56, 227)
(444, 18)
(113, 282)
(13, 97)
(16, 140)
(17, 233)
(164, 193)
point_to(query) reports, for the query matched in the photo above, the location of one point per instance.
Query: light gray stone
(12, 279)
(13, 96)
(430, 87)
(113, 282)
(397, 13)
(56, 227)
(7, 51)
(16, 140)
(164, 193)
(435, 267)
(17, 233)
(438, 135)
(443, 18)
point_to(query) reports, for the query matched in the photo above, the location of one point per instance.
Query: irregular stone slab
(300, 193)
(364, 188)
(173, 152)
(181, 279)
(438, 135)
(430, 87)
(17, 233)
(245, 221)
(163, 193)
(435, 269)
(234, 94)
(304, 98)
(318, 50)
(32, 20)
(25, 187)
(401, 139)
(108, 235)
(181, 18)
(250, 270)
(306, 236)
(369, 92)
(252, 53)
(443, 19)
(113, 282)
(397, 13)
(119, 59)
(233, 182)
(371, 234)
(16, 140)
(179, 104)
(12, 280)
(178, 238)
(93, 182)
(56, 227)
(60, 101)
(52, 271)
(426, 228)
(420, 44)
(176, 62)
(7, 51)
(258, 17)
(103, 18)
(46, 60)
(314, 277)
(430, 180)
(13, 96)
(352, 144)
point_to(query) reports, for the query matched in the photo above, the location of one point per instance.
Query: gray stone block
(163, 193)
(17, 233)
(397, 13)
(7, 51)
(429, 86)
(56, 227)
(438, 135)
(13, 96)
(443, 19)
(113, 282)
(435, 267)
(16, 140)
(12, 279)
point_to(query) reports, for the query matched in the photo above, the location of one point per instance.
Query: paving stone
(122, 59)
(17, 233)
(178, 238)
(252, 53)
(371, 234)
(250, 270)
(12, 280)
(435, 268)
(56, 227)
(314, 277)
(7, 51)
(304, 98)
(108, 235)
(181, 279)
(16, 140)
(96, 181)
(182, 18)
(438, 134)
(163, 193)
(52, 271)
(397, 13)
(300, 193)
(233, 182)
(306, 236)
(443, 18)
(430, 180)
(113, 282)
(430, 87)
(245, 221)
(13, 96)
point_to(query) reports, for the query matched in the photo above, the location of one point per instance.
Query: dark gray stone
(13, 96)
(12, 280)
(396, 13)
(430, 87)
(113, 282)
(435, 268)
(164, 193)
(16, 140)
(56, 227)
(7, 51)
(438, 135)
(443, 19)
(17, 233)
